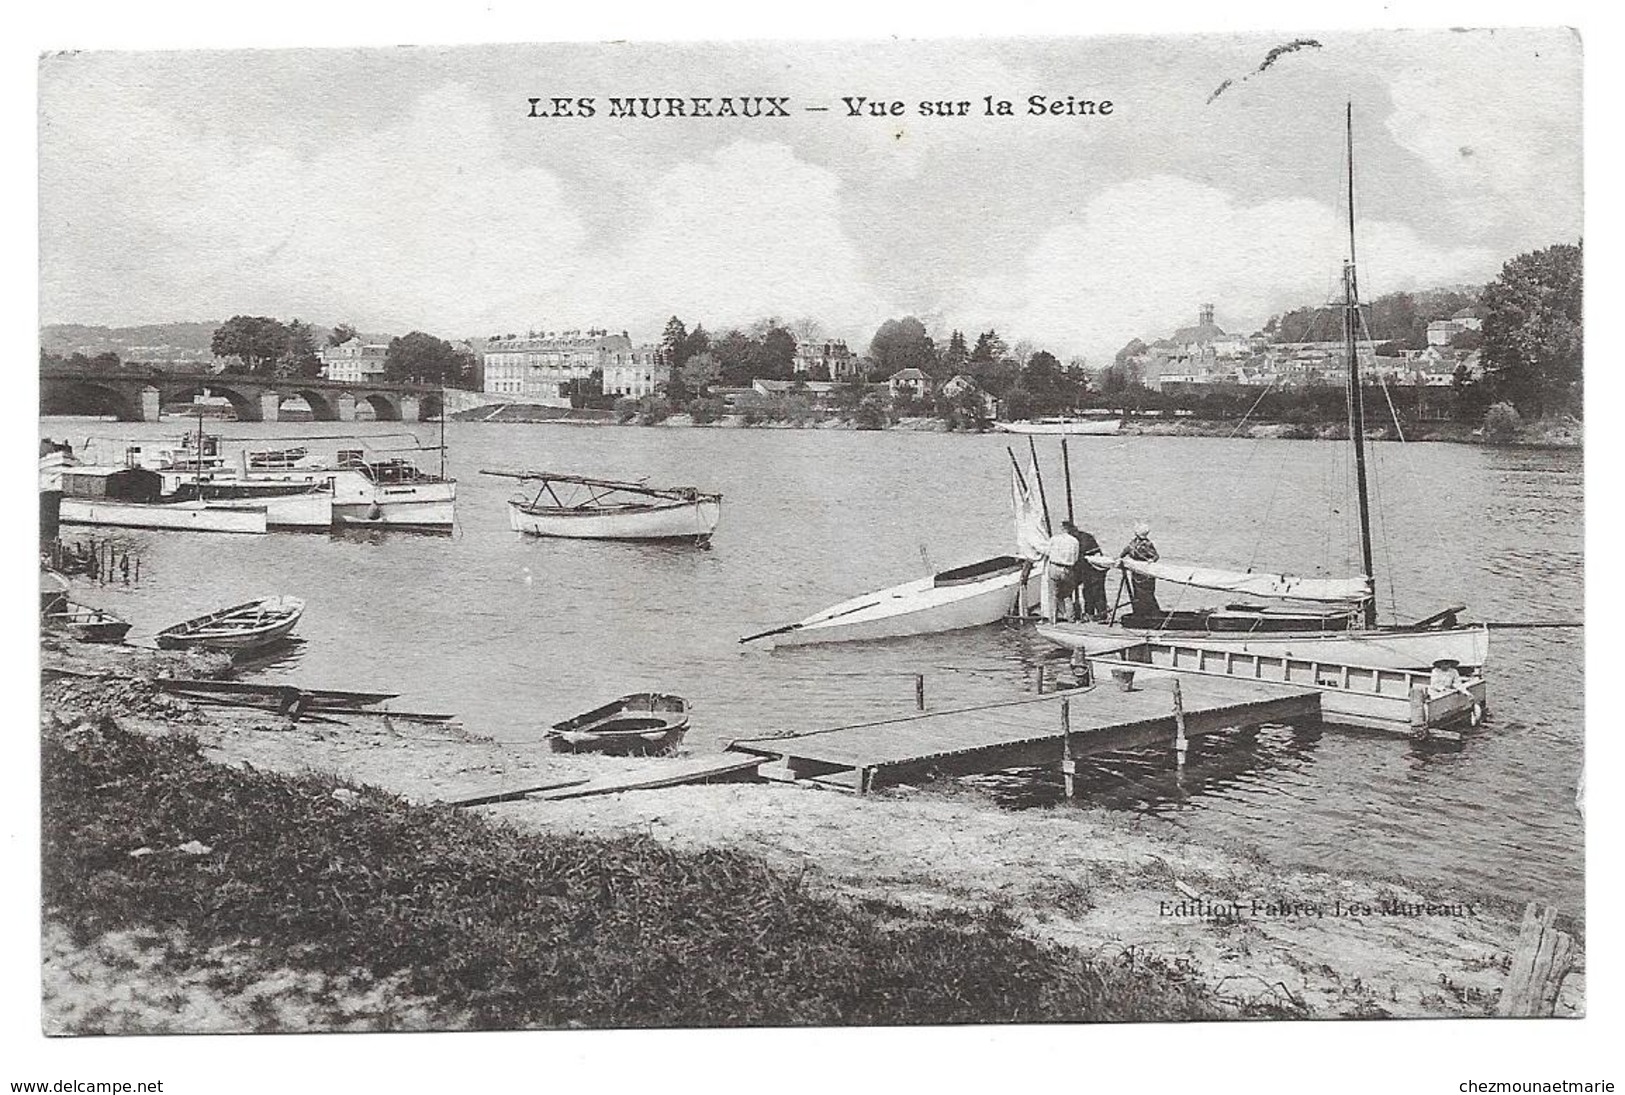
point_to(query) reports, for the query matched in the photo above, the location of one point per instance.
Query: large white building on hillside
(636, 372)
(538, 368)
(354, 362)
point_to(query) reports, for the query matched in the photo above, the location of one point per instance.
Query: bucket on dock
(1124, 679)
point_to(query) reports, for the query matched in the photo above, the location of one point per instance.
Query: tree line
(264, 346)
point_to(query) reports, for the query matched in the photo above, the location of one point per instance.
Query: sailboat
(1320, 620)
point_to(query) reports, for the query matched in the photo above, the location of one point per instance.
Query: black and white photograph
(1005, 530)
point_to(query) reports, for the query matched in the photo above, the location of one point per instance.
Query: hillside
(149, 342)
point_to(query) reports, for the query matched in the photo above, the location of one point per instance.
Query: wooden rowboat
(236, 630)
(640, 724)
(80, 622)
(968, 596)
(582, 508)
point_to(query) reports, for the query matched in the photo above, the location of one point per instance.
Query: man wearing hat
(1142, 589)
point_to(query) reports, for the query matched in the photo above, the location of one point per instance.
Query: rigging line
(1254, 407)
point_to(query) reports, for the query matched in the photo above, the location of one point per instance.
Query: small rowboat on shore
(240, 629)
(640, 724)
(582, 508)
(80, 622)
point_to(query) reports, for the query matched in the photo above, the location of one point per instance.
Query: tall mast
(1351, 327)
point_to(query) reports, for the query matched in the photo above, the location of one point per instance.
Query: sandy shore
(1324, 945)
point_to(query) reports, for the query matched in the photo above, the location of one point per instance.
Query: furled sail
(1253, 584)
(1031, 539)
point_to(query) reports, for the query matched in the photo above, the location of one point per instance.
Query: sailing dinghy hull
(971, 596)
(1418, 649)
(677, 520)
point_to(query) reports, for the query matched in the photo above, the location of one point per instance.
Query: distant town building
(538, 368)
(635, 373)
(910, 381)
(832, 354)
(354, 362)
(958, 384)
(820, 393)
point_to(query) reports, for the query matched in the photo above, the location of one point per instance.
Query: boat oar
(1530, 625)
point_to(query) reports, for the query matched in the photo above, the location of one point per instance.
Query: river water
(514, 633)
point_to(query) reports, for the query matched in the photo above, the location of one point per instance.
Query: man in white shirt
(1060, 572)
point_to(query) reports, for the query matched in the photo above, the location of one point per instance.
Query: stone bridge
(138, 396)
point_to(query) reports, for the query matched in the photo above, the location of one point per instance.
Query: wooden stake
(919, 691)
(1180, 741)
(1069, 765)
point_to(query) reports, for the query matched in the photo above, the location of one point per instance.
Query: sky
(408, 188)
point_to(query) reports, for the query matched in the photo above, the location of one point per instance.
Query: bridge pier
(151, 404)
(270, 406)
(411, 409)
(346, 405)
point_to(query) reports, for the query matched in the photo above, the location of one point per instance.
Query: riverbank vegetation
(488, 927)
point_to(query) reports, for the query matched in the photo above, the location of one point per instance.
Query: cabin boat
(132, 497)
(378, 493)
(640, 724)
(79, 622)
(240, 629)
(583, 508)
(1096, 425)
(974, 595)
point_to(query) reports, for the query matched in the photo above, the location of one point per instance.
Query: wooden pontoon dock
(1051, 729)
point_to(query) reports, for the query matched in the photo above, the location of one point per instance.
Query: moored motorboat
(1087, 426)
(639, 724)
(980, 593)
(132, 497)
(239, 629)
(584, 508)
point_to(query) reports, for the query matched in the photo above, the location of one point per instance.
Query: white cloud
(746, 232)
(1496, 116)
(425, 222)
(1144, 254)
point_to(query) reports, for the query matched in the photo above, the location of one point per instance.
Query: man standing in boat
(1090, 578)
(1142, 589)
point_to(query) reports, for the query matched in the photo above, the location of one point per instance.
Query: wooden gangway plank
(1035, 731)
(711, 767)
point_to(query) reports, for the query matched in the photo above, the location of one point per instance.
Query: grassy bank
(482, 925)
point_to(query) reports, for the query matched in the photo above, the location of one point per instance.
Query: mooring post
(1180, 741)
(1069, 765)
(1040, 680)
(919, 691)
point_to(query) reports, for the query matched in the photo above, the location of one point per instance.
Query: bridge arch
(65, 395)
(385, 407)
(324, 405)
(247, 407)
(430, 406)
